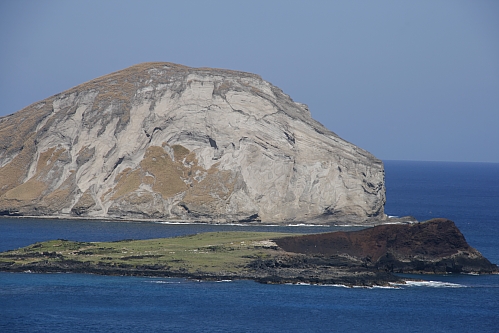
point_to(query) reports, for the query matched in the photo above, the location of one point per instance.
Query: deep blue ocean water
(467, 193)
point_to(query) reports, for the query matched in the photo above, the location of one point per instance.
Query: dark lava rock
(435, 246)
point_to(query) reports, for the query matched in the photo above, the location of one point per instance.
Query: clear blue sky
(406, 80)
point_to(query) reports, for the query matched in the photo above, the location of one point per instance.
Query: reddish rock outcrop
(435, 246)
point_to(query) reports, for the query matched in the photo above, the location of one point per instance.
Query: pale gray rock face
(164, 141)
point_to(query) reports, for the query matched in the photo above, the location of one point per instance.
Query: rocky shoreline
(365, 224)
(368, 257)
(314, 275)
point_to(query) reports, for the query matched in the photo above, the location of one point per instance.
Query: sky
(405, 80)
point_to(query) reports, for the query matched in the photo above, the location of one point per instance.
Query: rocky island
(170, 142)
(367, 257)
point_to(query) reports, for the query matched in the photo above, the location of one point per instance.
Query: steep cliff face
(159, 140)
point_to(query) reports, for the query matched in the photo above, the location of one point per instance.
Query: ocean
(467, 193)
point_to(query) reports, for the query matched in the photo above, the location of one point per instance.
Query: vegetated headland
(366, 257)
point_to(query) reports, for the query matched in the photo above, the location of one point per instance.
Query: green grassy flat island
(365, 257)
(207, 256)
(214, 252)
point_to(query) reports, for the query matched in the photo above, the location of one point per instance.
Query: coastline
(366, 257)
(367, 224)
(353, 280)
(212, 256)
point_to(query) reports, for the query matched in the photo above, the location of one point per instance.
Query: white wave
(432, 284)
(239, 224)
(337, 285)
(351, 225)
(386, 287)
(177, 222)
(307, 225)
(165, 282)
